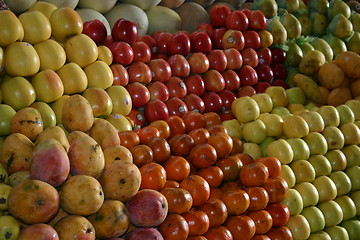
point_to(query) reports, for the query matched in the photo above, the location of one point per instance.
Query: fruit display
(197, 120)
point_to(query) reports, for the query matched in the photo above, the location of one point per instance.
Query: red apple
(227, 97)
(150, 41)
(141, 51)
(162, 39)
(122, 52)
(264, 73)
(205, 27)
(137, 117)
(108, 41)
(124, 30)
(156, 110)
(233, 39)
(96, 30)
(250, 57)
(195, 85)
(257, 20)
(176, 87)
(278, 55)
(226, 115)
(121, 75)
(245, 91)
(264, 56)
(234, 59)
(139, 93)
(139, 72)
(214, 81)
(217, 60)
(158, 90)
(212, 102)
(200, 42)
(199, 63)
(281, 83)
(232, 80)
(194, 103)
(260, 87)
(237, 20)
(179, 43)
(217, 36)
(247, 75)
(180, 67)
(218, 14)
(279, 71)
(176, 106)
(252, 39)
(160, 70)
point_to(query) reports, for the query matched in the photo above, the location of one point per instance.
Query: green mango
(340, 26)
(268, 7)
(290, 5)
(291, 72)
(321, 45)
(355, 20)
(282, 11)
(292, 26)
(338, 7)
(353, 43)
(304, 18)
(293, 55)
(320, 6)
(9, 228)
(337, 45)
(306, 47)
(319, 24)
(277, 30)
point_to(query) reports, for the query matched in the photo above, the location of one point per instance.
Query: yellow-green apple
(264, 144)
(274, 124)
(355, 196)
(342, 182)
(253, 149)
(278, 96)
(314, 120)
(337, 160)
(120, 122)
(352, 227)
(48, 86)
(294, 202)
(300, 148)
(121, 99)
(73, 78)
(254, 131)
(345, 113)
(288, 174)
(315, 218)
(9, 226)
(52, 55)
(294, 108)
(295, 95)
(308, 192)
(351, 133)
(47, 113)
(355, 107)
(281, 111)
(347, 205)
(326, 188)
(337, 232)
(6, 114)
(334, 137)
(245, 109)
(100, 101)
(282, 150)
(320, 164)
(57, 107)
(264, 101)
(354, 173)
(303, 170)
(299, 227)
(317, 143)
(332, 212)
(330, 115)
(32, 34)
(311, 107)
(319, 236)
(352, 155)
(99, 75)
(65, 22)
(233, 127)
(295, 127)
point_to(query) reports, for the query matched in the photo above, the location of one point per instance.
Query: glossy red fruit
(124, 30)
(96, 30)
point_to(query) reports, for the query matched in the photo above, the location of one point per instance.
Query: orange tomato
(181, 144)
(236, 201)
(230, 165)
(272, 163)
(277, 189)
(179, 200)
(160, 148)
(148, 132)
(142, 154)
(193, 120)
(213, 175)
(212, 118)
(245, 158)
(174, 227)
(153, 176)
(241, 227)
(203, 155)
(238, 146)
(200, 135)
(259, 198)
(262, 219)
(254, 174)
(176, 124)
(222, 143)
(177, 168)
(129, 139)
(216, 211)
(198, 222)
(163, 128)
(216, 128)
(198, 188)
(280, 233)
(218, 233)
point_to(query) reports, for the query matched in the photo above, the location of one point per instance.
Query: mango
(340, 26)
(292, 25)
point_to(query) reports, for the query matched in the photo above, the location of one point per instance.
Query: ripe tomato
(237, 20)
(160, 148)
(262, 219)
(218, 15)
(179, 200)
(218, 233)
(198, 188)
(252, 39)
(277, 189)
(153, 176)
(181, 144)
(163, 128)
(198, 221)
(176, 124)
(259, 198)
(233, 39)
(280, 233)
(212, 118)
(177, 168)
(230, 166)
(212, 174)
(250, 57)
(174, 227)
(202, 155)
(254, 174)
(236, 201)
(142, 154)
(241, 227)
(279, 212)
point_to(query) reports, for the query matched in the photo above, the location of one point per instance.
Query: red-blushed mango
(75, 225)
(54, 132)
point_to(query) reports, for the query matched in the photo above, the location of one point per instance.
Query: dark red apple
(179, 43)
(195, 85)
(217, 37)
(232, 80)
(96, 30)
(280, 82)
(142, 52)
(217, 60)
(162, 39)
(156, 110)
(245, 91)
(200, 41)
(177, 87)
(227, 97)
(212, 102)
(264, 56)
(158, 90)
(122, 52)
(279, 71)
(139, 93)
(252, 39)
(264, 73)
(124, 30)
(260, 87)
(176, 106)
(278, 55)
(194, 103)
(205, 27)
(248, 75)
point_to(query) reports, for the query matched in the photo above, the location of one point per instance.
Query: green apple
(295, 127)
(264, 145)
(346, 114)
(274, 124)
(355, 196)
(100, 102)
(253, 149)
(283, 112)
(278, 96)
(355, 107)
(332, 212)
(342, 182)
(317, 143)
(314, 120)
(288, 174)
(354, 173)
(337, 160)
(254, 131)
(308, 193)
(9, 228)
(352, 227)
(320, 164)
(300, 149)
(299, 227)
(311, 107)
(47, 113)
(295, 95)
(6, 114)
(352, 154)
(326, 188)
(264, 101)
(48, 86)
(4, 196)
(303, 170)
(282, 150)
(294, 202)
(246, 109)
(319, 236)
(330, 115)
(347, 205)
(4, 177)
(233, 127)
(315, 218)
(337, 233)
(334, 137)
(351, 133)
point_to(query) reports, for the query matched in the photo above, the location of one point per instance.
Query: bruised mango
(117, 153)
(27, 121)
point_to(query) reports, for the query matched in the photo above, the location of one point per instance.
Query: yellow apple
(330, 115)
(326, 188)
(81, 49)
(36, 26)
(278, 96)
(342, 182)
(73, 77)
(320, 164)
(43, 7)
(65, 22)
(314, 120)
(273, 123)
(300, 148)
(264, 101)
(100, 101)
(288, 174)
(52, 55)
(355, 107)
(48, 86)
(294, 202)
(105, 54)
(308, 192)
(303, 170)
(337, 160)
(282, 150)
(295, 95)
(6, 114)
(264, 145)
(233, 127)
(332, 212)
(295, 108)
(352, 155)
(351, 133)
(315, 218)
(295, 127)
(99, 75)
(253, 149)
(121, 99)
(11, 29)
(317, 143)
(281, 111)
(246, 109)
(299, 227)
(120, 122)
(254, 131)
(334, 137)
